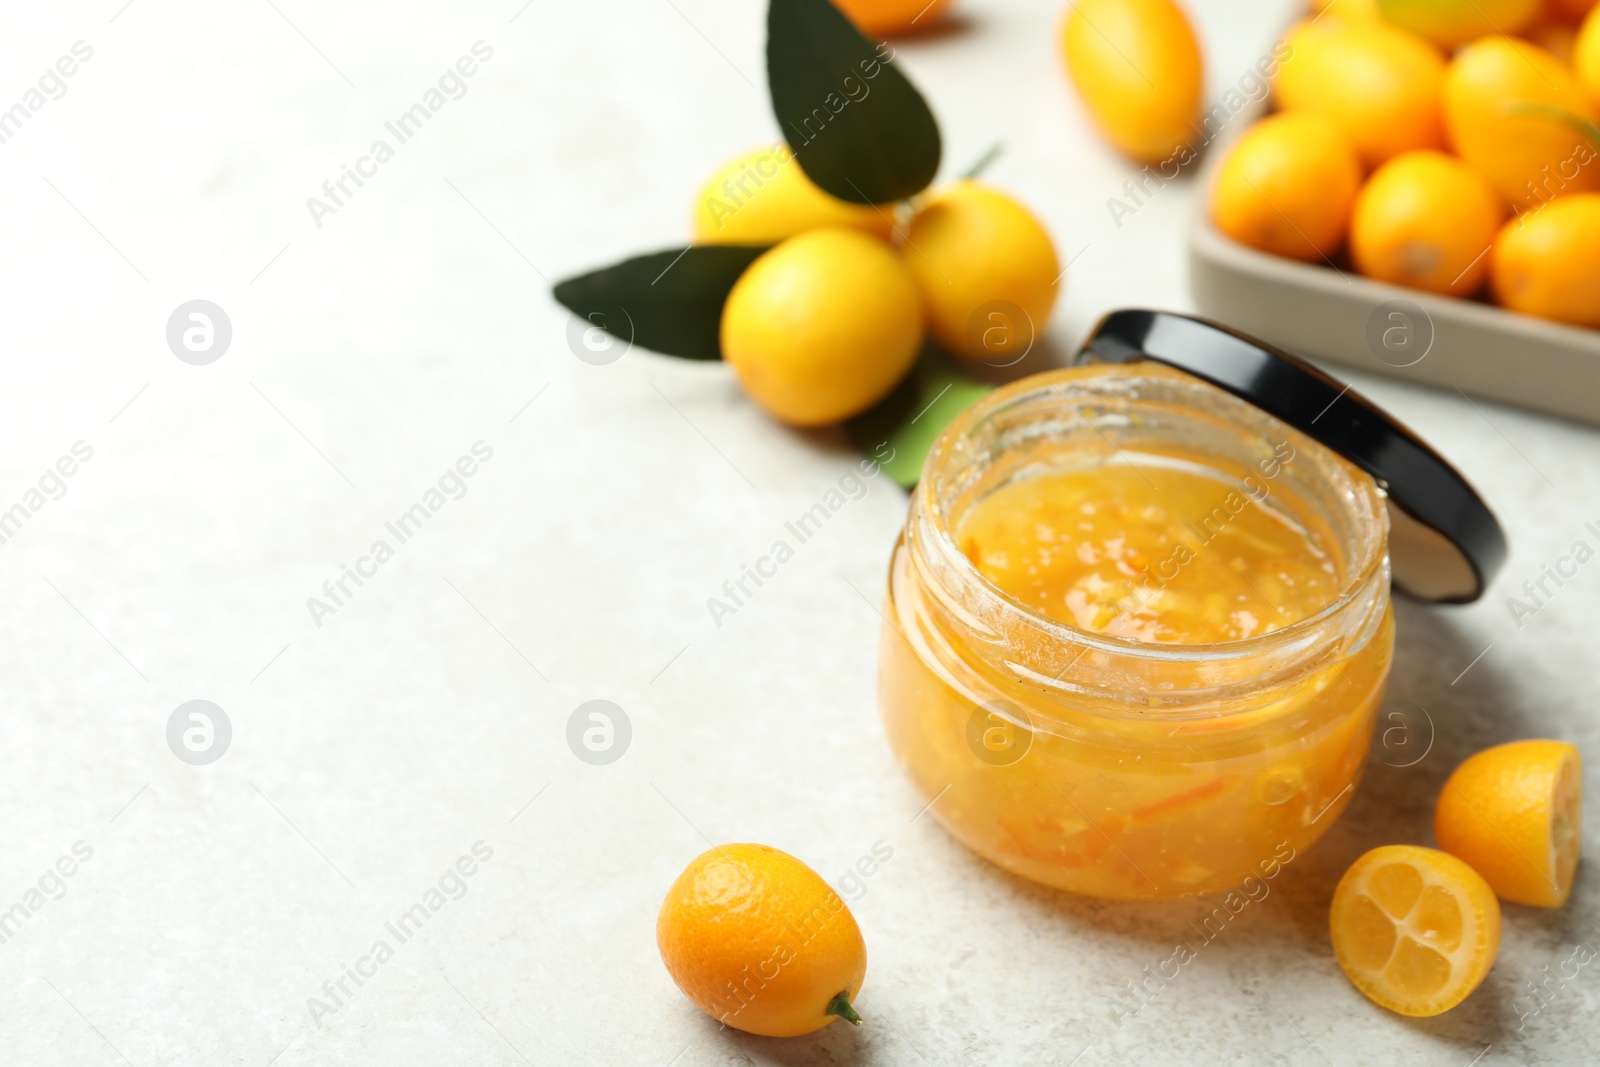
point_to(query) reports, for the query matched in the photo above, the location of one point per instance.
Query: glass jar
(1107, 765)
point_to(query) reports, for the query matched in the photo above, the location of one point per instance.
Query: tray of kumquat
(1436, 218)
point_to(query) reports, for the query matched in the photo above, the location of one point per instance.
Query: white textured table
(428, 711)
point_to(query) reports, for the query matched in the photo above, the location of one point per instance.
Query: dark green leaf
(860, 130)
(899, 432)
(670, 302)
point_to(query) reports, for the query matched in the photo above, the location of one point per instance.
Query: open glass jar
(1107, 764)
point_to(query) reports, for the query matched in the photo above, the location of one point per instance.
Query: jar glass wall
(1098, 762)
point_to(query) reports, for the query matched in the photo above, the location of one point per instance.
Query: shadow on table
(836, 1044)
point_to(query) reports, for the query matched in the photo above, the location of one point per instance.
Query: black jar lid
(1444, 543)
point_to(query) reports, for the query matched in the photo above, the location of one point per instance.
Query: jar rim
(1368, 555)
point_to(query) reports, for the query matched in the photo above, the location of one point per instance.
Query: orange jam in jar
(1138, 631)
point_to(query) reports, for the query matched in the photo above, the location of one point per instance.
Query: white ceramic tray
(1335, 314)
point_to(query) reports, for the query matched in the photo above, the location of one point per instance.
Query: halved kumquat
(1415, 929)
(1514, 813)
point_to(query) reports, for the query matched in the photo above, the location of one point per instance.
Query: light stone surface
(427, 713)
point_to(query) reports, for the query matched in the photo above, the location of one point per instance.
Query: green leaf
(860, 130)
(670, 302)
(899, 432)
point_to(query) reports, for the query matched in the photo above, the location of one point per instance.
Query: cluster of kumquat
(827, 322)
(1440, 150)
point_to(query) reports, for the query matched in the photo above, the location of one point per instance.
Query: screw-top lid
(1444, 542)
